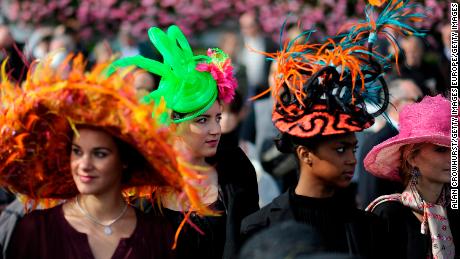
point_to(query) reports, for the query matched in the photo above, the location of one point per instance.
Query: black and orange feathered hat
(327, 88)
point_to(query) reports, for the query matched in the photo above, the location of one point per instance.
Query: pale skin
(327, 167)
(198, 139)
(97, 169)
(433, 162)
(412, 93)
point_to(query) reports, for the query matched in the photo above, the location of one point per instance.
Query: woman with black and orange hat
(322, 97)
(83, 141)
(194, 87)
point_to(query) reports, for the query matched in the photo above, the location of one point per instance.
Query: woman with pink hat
(420, 219)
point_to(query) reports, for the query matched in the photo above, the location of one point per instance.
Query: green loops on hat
(185, 89)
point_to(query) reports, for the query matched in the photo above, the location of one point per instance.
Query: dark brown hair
(131, 159)
(407, 152)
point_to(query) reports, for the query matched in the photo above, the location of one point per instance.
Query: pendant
(108, 230)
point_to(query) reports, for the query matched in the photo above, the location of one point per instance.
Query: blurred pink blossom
(97, 16)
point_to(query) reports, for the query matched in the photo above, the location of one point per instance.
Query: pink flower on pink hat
(221, 70)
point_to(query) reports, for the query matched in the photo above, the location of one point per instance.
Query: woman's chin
(87, 190)
(210, 152)
(344, 183)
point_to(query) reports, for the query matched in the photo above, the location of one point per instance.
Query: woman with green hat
(193, 88)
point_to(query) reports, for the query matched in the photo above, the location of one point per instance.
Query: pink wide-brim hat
(424, 122)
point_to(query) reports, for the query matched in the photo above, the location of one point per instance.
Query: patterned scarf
(434, 222)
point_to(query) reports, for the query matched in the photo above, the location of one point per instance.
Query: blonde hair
(408, 152)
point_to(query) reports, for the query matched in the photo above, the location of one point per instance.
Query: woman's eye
(441, 149)
(76, 151)
(201, 120)
(340, 150)
(99, 154)
(218, 119)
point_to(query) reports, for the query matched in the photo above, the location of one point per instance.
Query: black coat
(238, 182)
(371, 187)
(404, 227)
(239, 193)
(363, 233)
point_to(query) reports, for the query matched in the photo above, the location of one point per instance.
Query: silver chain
(107, 227)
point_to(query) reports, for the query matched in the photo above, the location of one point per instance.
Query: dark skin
(326, 167)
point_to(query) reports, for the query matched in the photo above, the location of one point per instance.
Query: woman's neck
(311, 186)
(430, 191)
(198, 161)
(104, 207)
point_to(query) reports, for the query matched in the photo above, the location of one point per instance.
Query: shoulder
(38, 222)
(277, 210)
(257, 219)
(155, 220)
(391, 210)
(361, 214)
(255, 222)
(28, 236)
(35, 219)
(368, 220)
(153, 217)
(154, 232)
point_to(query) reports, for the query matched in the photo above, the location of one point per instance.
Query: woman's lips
(86, 178)
(349, 174)
(212, 143)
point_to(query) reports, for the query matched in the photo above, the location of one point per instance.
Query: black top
(404, 228)
(338, 225)
(238, 196)
(209, 243)
(327, 215)
(47, 234)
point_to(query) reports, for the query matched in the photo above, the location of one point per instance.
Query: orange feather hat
(38, 119)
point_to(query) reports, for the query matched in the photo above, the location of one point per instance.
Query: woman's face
(333, 161)
(95, 162)
(201, 135)
(433, 162)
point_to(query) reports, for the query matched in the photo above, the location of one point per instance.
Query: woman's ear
(304, 155)
(411, 160)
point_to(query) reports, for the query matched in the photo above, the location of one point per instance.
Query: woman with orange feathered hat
(83, 141)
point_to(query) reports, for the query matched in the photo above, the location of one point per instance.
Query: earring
(415, 175)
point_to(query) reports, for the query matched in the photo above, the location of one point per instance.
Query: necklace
(107, 227)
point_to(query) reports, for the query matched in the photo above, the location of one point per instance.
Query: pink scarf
(434, 223)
